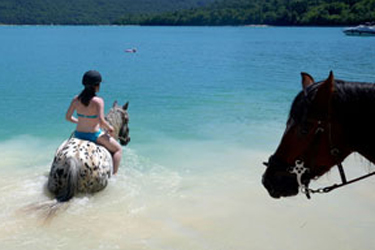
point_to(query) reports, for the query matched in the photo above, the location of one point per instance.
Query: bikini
(88, 135)
(87, 116)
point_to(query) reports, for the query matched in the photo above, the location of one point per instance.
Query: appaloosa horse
(328, 121)
(81, 166)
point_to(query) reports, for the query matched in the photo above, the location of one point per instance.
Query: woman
(90, 112)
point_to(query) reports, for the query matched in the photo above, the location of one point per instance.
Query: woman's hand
(111, 131)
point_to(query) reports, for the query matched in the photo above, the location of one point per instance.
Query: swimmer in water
(133, 50)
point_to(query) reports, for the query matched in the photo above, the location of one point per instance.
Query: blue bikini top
(87, 116)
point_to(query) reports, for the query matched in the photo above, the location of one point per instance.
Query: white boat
(367, 29)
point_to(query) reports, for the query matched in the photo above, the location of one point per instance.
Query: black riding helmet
(91, 78)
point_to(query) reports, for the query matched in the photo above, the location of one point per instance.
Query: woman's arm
(69, 114)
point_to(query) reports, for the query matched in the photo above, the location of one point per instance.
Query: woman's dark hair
(90, 80)
(87, 94)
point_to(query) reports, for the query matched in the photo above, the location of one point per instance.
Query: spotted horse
(82, 166)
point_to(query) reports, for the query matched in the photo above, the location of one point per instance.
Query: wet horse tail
(69, 176)
(69, 189)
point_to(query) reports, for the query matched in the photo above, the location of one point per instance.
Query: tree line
(269, 12)
(76, 12)
(187, 12)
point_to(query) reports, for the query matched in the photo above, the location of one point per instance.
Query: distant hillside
(85, 11)
(271, 12)
(187, 12)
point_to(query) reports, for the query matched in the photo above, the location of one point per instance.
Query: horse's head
(309, 146)
(118, 117)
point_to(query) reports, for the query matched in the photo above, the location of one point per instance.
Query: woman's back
(88, 116)
(90, 112)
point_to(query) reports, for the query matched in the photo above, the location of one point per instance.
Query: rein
(299, 169)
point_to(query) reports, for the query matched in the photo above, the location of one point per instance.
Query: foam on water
(165, 203)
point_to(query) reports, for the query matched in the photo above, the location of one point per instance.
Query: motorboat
(367, 29)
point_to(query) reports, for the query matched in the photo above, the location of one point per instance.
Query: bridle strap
(299, 169)
(336, 152)
(342, 173)
(122, 138)
(343, 180)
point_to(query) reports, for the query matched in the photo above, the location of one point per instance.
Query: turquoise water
(229, 84)
(207, 106)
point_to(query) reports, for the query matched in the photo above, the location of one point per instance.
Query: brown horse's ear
(330, 82)
(126, 105)
(114, 104)
(328, 86)
(307, 81)
(326, 90)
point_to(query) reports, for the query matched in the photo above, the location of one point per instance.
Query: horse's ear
(328, 86)
(326, 90)
(126, 105)
(114, 104)
(307, 81)
(330, 82)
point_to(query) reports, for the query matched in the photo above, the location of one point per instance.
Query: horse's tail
(66, 191)
(46, 209)
(70, 187)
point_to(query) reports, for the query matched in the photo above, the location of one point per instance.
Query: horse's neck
(354, 104)
(354, 107)
(114, 122)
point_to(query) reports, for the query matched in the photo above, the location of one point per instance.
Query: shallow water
(202, 119)
(164, 206)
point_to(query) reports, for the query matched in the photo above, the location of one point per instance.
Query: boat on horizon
(367, 29)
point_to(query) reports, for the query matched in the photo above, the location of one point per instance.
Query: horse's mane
(352, 106)
(353, 103)
(350, 100)
(114, 117)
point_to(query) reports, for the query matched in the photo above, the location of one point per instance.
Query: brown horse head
(312, 142)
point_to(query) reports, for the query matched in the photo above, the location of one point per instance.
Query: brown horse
(328, 121)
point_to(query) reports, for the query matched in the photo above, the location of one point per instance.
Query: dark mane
(353, 105)
(354, 98)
